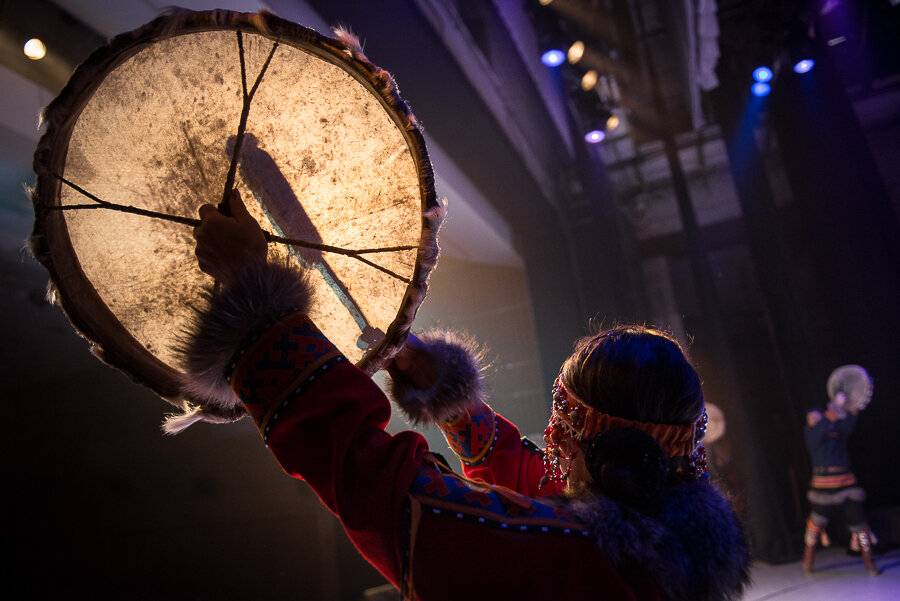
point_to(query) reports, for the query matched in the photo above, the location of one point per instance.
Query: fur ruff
(458, 385)
(258, 298)
(692, 547)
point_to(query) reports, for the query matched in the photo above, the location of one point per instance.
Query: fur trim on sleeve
(458, 386)
(256, 300)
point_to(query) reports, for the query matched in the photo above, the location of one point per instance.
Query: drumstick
(242, 126)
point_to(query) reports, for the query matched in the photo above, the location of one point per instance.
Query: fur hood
(693, 547)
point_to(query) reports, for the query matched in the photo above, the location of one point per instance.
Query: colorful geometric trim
(452, 496)
(279, 365)
(472, 435)
(834, 481)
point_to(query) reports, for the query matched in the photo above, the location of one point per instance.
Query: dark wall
(99, 504)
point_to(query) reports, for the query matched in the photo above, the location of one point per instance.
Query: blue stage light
(595, 136)
(553, 58)
(804, 65)
(762, 74)
(761, 89)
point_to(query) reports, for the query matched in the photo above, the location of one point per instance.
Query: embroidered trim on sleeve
(282, 363)
(472, 435)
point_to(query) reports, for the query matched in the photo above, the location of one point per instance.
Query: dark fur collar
(693, 547)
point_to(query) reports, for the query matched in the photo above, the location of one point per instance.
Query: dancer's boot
(866, 539)
(810, 539)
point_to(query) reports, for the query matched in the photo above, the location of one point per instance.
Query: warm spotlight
(589, 80)
(35, 49)
(762, 74)
(613, 122)
(576, 51)
(545, 2)
(761, 89)
(553, 58)
(804, 66)
(595, 136)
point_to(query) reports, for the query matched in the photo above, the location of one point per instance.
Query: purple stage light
(804, 66)
(553, 58)
(762, 74)
(761, 89)
(595, 136)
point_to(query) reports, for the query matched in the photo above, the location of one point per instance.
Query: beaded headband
(573, 421)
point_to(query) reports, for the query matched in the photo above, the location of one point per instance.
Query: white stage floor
(837, 576)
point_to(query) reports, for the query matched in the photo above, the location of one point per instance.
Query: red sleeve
(491, 449)
(324, 420)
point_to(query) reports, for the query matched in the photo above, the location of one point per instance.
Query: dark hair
(635, 373)
(628, 466)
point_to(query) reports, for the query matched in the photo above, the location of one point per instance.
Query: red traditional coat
(434, 534)
(431, 533)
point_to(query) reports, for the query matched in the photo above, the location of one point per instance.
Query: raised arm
(438, 379)
(321, 417)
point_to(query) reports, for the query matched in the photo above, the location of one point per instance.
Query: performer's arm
(321, 417)
(816, 429)
(492, 449)
(845, 426)
(437, 379)
(324, 422)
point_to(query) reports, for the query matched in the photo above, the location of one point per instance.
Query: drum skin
(144, 134)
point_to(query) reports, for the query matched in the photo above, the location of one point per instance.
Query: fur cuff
(258, 298)
(458, 384)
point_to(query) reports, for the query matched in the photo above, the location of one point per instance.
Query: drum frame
(52, 247)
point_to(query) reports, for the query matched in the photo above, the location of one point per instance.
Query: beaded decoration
(562, 437)
(566, 421)
(572, 422)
